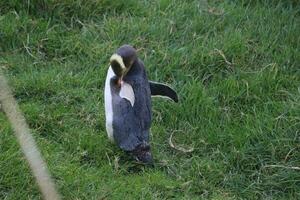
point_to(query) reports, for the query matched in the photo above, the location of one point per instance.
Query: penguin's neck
(135, 68)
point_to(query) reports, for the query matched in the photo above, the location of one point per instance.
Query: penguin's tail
(160, 89)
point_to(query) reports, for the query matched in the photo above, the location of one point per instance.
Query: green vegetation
(235, 65)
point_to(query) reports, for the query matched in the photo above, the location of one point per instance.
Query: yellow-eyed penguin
(128, 103)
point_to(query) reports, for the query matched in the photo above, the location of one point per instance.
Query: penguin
(127, 97)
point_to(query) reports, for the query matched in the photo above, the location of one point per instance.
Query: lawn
(234, 64)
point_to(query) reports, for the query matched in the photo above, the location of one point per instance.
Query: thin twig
(116, 163)
(215, 11)
(191, 149)
(26, 141)
(281, 166)
(28, 51)
(220, 52)
(288, 154)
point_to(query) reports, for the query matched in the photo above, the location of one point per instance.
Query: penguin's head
(122, 60)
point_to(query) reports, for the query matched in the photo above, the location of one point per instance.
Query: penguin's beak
(120, 81)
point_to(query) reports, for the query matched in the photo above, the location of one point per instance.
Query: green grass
(235, 65)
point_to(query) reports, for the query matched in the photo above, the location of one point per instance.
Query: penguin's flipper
(159, 89)
(126, 92)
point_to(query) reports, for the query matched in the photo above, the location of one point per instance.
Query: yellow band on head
(119, 59)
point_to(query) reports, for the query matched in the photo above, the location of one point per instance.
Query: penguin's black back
(131, 124)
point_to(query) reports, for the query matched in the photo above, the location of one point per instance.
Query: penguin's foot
(142, 154)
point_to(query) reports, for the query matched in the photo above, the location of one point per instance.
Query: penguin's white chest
(126, 92)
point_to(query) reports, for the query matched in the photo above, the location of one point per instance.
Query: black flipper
(159, 89)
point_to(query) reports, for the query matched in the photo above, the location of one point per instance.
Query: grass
(235, 65)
